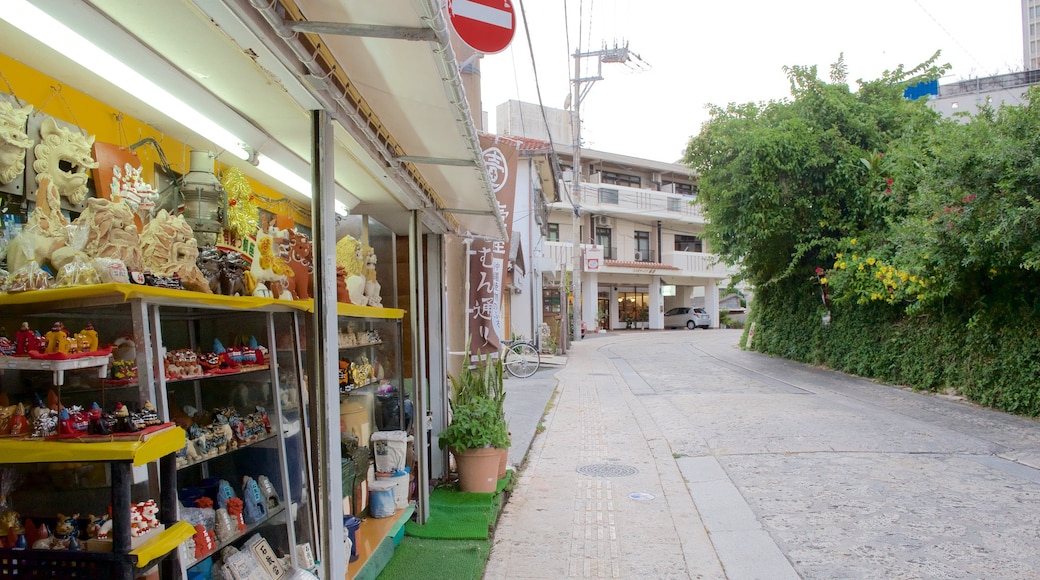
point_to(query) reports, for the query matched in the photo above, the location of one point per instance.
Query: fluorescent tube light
(59, 37)
(279, 172)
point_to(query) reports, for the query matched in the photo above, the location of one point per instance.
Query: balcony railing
(559, 255)
(619, 199)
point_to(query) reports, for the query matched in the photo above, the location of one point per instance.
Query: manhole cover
(607, 470)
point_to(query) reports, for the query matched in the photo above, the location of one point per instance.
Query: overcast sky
(716, 51)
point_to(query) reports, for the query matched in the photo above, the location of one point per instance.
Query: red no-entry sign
(485, 25)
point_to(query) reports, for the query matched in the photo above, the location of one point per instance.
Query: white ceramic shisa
(14, 141)
(57, 145)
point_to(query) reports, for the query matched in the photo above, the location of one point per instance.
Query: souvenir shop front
(219, 232)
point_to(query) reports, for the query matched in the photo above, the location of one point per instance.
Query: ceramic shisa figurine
(60, 148)
(99, 527)
(268, 268)
(110, 232)
(128, 186)
(14, 141)
(372, 286)
(168, 248)
(299, 255)
(42, 234)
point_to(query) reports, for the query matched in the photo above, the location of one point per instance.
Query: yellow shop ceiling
(52, 97)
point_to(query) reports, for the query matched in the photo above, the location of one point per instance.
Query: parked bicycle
(520, 358)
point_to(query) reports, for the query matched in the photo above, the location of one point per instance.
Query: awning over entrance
(404, 135)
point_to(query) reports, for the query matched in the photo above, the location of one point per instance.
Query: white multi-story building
(1031, 34)
(632, 230)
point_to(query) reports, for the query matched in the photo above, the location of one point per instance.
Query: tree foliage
(921, 234)
(781, 182)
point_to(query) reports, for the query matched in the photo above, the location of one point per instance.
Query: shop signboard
(488, 259)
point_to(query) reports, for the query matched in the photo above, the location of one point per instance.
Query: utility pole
(617, 54)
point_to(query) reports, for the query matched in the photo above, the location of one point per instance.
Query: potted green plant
(478, 435)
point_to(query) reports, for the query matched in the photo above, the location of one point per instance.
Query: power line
(538, 91)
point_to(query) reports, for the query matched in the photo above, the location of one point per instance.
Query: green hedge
(990, 354)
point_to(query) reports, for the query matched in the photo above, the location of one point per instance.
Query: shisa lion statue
(14, 141)
(268, 268)
(110, 233)
(168, 247)
(128, 186)
(44, 231)
(57, 146)
(350, 254)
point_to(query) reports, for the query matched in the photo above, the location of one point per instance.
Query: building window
(688, 244)
(682, 188)
(553, 234)
(608, 195)
(551, 301)
(603, 239)
(620, 179)
(642, 246)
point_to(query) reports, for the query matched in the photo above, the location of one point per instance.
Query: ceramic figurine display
(97, 422)
(64, 157)
(205, 541)
(225, 528)
(299, 255)
(268, 491)
(254, 506)
(14, 141)
(168, 247)
(234, 509)
(99, 527)
(24, 340)
(130, 188)
(110, 233)
(19, 422)
(225, 271)
(57, 339)
(144, 517)
(42, 234)
(224, 493)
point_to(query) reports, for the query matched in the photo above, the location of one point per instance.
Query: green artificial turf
(437, 560)
(457, 515)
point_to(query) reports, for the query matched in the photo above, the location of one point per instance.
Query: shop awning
(404, 137)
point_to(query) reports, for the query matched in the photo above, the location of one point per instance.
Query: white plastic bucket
(381, 499)
(401, 481)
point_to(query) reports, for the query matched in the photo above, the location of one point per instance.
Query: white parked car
(684, 316)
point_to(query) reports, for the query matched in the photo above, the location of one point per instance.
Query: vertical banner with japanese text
(488, 259)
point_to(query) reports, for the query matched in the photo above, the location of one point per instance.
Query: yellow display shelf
(139, 451)
(164, 543)
(122, 292)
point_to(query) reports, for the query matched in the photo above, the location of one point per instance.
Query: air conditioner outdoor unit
(602, 221)
(639, 256)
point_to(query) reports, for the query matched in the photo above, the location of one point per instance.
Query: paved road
(675, 455)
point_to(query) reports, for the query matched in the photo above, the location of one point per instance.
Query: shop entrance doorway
(633, 307)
